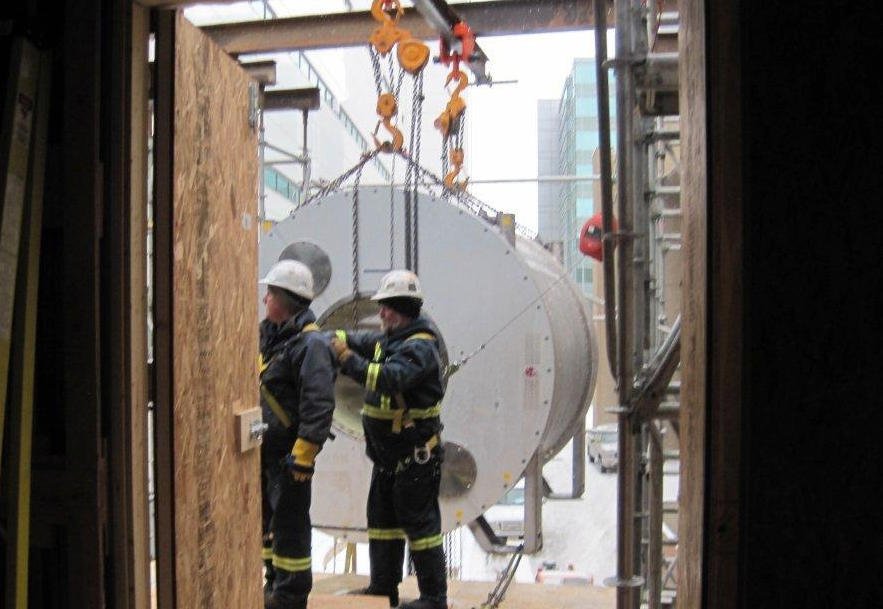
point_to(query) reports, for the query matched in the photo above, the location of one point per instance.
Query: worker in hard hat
(402, 375)
(297, 373)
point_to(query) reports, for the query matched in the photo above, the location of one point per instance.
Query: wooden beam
(138, 457)
(80, 410)
(164, 119)
(502, 18)
(123, 272)
(694, 305)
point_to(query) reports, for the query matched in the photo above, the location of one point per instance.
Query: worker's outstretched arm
(400, 372)
(362, 342)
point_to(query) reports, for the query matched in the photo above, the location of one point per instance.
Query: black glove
(300, 473)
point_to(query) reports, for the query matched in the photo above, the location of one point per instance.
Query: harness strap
(272, 402)
(276, 407)
(388, 414)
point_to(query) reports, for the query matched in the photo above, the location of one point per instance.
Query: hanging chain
(392, 215)
(355, 313)
(416, 130)
(461, 127)
(399, 83)
(409, 172)
(391, 72)
(375, 64)
(444, 160)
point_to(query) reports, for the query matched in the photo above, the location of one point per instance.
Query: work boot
(277, 602)
(373, 591)
(432, 579)
(426, 603)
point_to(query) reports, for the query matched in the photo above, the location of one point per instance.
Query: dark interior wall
(80, 374)
(813, 214)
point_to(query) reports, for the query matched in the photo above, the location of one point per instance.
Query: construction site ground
(329, 592)
(332, 592)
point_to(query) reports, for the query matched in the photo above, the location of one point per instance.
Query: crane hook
(463, 82)
(456, 156)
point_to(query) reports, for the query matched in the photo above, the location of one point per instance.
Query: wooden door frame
(712, 308)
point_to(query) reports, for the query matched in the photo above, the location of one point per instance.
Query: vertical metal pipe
(641, 222)
(578, 467)
(625, 103)
(262, 188)
(408, 262)
(305, 188)
(653, 304)
(533, 505)
(606, 181)
(637, 175)
(654, 538)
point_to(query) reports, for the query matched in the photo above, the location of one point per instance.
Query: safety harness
(271, 400)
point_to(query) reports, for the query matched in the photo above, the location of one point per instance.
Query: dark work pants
(406, 502)
(287, 523)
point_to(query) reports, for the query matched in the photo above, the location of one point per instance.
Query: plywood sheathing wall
(217, 490)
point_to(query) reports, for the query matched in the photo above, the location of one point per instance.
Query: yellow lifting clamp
(389, 32)
(387, 107)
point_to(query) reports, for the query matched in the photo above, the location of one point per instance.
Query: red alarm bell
(590, 237)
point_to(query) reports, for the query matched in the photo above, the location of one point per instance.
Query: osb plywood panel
(217, 489)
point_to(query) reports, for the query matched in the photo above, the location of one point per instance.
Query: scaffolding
(643, 323)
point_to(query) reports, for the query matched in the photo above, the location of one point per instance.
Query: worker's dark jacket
(405, 362)
(297, 369)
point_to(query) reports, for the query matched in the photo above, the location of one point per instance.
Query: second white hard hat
(399, 284)
(291, 275)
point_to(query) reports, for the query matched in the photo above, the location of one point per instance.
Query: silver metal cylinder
(509, 310)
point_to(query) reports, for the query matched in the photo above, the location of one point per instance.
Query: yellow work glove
(301, 462)
(340, 349)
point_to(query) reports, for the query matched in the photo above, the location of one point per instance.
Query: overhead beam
(292, 99)
(264, 72)
(502, 18)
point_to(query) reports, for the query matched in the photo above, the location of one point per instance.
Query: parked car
(602, 443)
(563, 578)
(506, 517)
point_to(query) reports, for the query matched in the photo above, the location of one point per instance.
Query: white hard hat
(291, 275)
(399, 284)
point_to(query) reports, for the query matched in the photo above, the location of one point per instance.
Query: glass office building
(566, 145)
